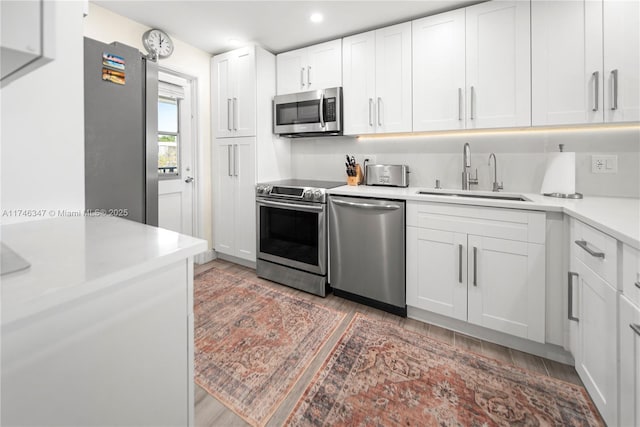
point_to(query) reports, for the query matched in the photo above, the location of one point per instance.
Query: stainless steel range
(292, 233)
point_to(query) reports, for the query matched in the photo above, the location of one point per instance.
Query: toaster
(388, 175)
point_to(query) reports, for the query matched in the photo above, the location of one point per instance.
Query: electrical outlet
(371, 157)
(604, 163)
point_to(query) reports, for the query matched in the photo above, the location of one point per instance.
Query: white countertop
(74, 256)
(618, 217)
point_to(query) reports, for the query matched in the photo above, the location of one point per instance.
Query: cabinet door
(224, 200)
(222, 89)
(629, 363)
(244, 92)
(291, 71)
(506, 289)
(393, 79)
(622, 56)
(566, 51)
(359, 80)
(437, 271)
(324, 65)
(438, 72)
(498, 64)
(245, 209)
(596, 356)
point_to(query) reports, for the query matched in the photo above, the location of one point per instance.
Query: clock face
(158, 42)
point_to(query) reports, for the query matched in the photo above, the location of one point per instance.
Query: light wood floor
(210, 412)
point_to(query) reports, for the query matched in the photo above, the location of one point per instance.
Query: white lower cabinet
(481, 265)
(629, 336)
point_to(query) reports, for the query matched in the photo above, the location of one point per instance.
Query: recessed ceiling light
(233, 42)
(316, 17)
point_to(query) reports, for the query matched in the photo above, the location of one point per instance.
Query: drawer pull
(584, 245)
(570, 310)
(635, 327)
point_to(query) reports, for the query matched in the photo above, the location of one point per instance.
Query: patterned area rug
(382, 375)
(252, 343)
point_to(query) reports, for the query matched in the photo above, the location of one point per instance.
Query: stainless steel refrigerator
(121, 122)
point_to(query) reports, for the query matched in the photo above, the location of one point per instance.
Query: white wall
(42, 128)
(521, 157)
(106, 26)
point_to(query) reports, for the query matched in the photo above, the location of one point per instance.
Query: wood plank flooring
(210, 412)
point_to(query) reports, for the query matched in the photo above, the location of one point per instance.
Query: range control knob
(317, 195)
(307, 195)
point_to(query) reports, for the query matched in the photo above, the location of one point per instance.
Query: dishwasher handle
(367, 205)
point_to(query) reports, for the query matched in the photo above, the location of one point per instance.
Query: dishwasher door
(367, 251)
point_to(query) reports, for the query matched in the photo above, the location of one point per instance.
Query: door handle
(235, 160)
(302, 77)
(370, 113)
(473, 101)
(309, 76)
(229, 114)
(635, 327)
(596, 90)
(229, 159)
(235, 115)
(475, 266)
(570, 308)
(379, 114)
(614, 77)
(584, 245)
(460, 103)
(366, 205)
(459, 263)
(189, 180)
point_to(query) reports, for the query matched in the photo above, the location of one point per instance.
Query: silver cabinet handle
(366, 205)
(614, 77)
(637, 285)
(596, 90)
(472, 101)
(229, 159)
(460, 103)
(302, 77)
(584, 245)
(235, 113)
(475, 266)
(459, 263)
(370, 113)
(570, 308)
(235, 160)
(635, 327)
(322, 123)
(229, 114)
(379, 114)
(309, 76)
(189, 180)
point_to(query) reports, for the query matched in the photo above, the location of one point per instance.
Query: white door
(498, 64)
(438, 72)
(324, 65)
(506, 289)
(224, 196)
(291, 71)
(359, 83)
(222, 71)
(243, 102)
(175, 154)
(437, 271)
(566, 50)
(393, 79)
(629, 363)
(622, 60)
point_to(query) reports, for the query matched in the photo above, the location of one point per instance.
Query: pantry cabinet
(377, 81)
(585, 62)
(310, 68)
(481, 265)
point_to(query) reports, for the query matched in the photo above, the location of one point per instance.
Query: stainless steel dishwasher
(367, 251)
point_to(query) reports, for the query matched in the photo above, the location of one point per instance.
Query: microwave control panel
(330, 110)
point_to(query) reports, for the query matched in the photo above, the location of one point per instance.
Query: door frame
(197, 157)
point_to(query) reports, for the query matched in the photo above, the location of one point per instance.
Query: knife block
(356, 180)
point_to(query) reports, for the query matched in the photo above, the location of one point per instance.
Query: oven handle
(290, 205)
(367, 205)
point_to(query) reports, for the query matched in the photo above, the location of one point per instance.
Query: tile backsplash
(521, 157)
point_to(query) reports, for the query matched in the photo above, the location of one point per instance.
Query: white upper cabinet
(310, 68)
(498, 64)
(438, 72)
(621, 60)
(377, 81)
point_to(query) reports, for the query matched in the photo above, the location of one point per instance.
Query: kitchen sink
(497, 196)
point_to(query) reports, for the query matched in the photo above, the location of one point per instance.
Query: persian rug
(382, 375)
(252, 343)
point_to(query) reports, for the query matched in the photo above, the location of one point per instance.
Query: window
(168, 137)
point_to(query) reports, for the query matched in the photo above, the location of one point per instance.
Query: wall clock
(157, 43)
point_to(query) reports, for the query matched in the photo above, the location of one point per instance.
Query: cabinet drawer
(596, 250)
(631, 274)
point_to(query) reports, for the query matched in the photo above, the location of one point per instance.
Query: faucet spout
(496, 186)
(466, 158)
(467, 180)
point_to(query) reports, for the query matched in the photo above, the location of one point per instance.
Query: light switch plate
(604, 163)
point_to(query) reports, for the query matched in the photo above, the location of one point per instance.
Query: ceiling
(277, 26)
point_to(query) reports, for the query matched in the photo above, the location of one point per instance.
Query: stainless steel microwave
(308, 114)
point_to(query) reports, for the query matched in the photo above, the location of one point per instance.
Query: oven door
(292, 234)
(316, 111)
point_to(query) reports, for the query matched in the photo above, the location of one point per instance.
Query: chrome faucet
(466, 165)
(496, 186)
